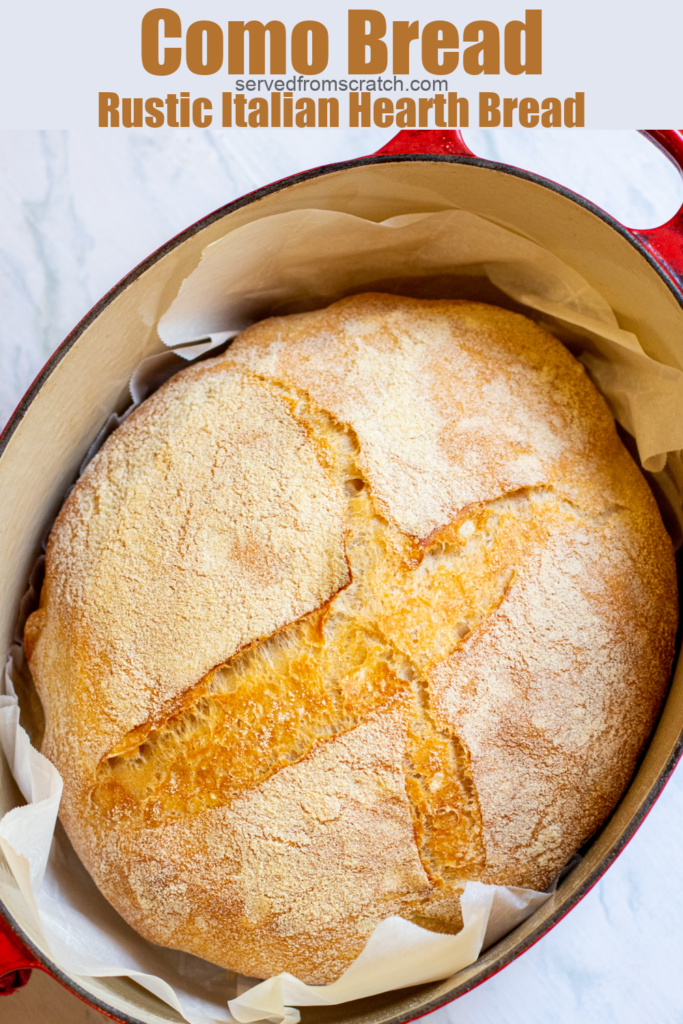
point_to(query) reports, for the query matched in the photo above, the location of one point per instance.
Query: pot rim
(21, 410)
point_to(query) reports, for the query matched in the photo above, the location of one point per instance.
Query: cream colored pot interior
(90, 381)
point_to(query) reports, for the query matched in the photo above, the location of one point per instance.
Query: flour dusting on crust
(374, 604)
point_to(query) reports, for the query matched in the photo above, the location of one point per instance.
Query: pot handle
(664, 243)
(16, 961)
(443, 143)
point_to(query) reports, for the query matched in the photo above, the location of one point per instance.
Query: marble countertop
(77, 211)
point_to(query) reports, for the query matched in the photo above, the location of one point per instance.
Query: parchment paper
(85, 935)
(306, 259)
(281, 264)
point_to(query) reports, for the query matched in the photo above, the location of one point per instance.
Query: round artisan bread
(373, 604)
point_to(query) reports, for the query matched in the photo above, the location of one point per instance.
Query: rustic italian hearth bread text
(372, 604)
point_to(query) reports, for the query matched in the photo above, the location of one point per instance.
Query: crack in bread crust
(406, 609)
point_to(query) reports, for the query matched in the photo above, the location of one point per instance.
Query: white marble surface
(80, 209)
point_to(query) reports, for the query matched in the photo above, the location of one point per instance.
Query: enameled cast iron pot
(640, 273)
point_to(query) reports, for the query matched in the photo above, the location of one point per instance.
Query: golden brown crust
(205, 524)
(553, 697)
(374, 604)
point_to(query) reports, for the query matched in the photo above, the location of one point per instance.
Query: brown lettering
(458, 111)
(240, 110)
(134, 121)
(150, 41)
(489, 109)
(305, 112)
(184, 110)
(574, 111)
(154, 109)
(551, 116)
(440, 110)
(359, 110)
(509, 106)
(109, 109)
(328, 112)
(404, 33)
(258, 112)
(424, 106)
(172, 110)
(194, 48)
(383, 112)
(484, 56)
(257, 47)
(533, 59)
(227, 110)
(275, 110)
(199, 118)
(438, 36)
(366, 31)
(289, 110)
(406, 113)
(528, 112)
(320, 47)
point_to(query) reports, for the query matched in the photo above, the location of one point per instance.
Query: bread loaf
(373, 604)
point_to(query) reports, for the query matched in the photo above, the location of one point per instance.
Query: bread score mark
(408, 606)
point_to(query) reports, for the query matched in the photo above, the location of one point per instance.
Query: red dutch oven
(640, 273)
